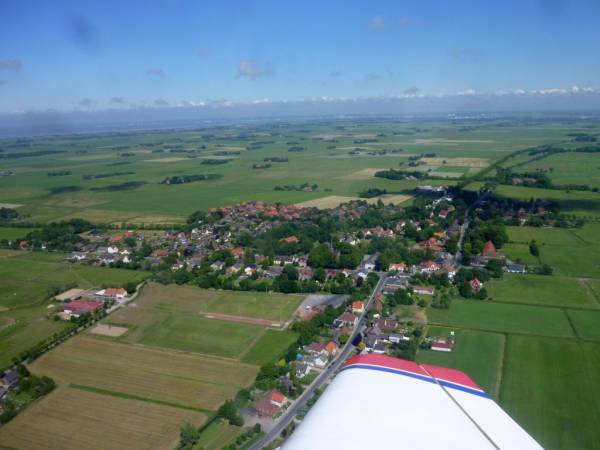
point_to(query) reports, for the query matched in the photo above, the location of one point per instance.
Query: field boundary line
(242, 355)
(500, 370)
(519, 333)
(126, 396)
(595, 295)
(582, 308)
(572, 325)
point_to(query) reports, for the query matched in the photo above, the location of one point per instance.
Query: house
(302, 369)
(397, 338)
(428, 267)
(476, 285)
(442, 346)
(374, 345)
(398, 267)
(78, 307)
(346, 319)
(331, 348)
(318, 362)
(271, 404)
(489, 250)
(392, 284)
(368, 263)
(316, 348)
(516, 268)
(217, 265)
(291, 240)
(112, 293)
(358, 307)
(237, 252)
(10, 379)
(423, 290)
(387, 325)
(78, 256)
(305, 273)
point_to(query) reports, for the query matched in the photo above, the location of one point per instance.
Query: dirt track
(243, 319)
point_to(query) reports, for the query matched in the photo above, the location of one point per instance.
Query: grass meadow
(503, 317)
(542, 290)
(550, 387)
(477, 353)
(269, 347)
(91, 165)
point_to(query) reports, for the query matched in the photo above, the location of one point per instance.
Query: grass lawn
(495, 316)
(200, 335)
(269, 347)
(586, 323)
(541, 290)
(519, 252)
(549, 386)
(478, 354)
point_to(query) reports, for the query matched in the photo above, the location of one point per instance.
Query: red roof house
(489, 250)
(271, 404)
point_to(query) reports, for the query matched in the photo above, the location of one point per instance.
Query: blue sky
(92, 55)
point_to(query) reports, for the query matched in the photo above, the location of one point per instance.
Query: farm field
(502, 317)
(10, 233)
(550, 387)
(579, 203)
(568, 168)
(200, 335)
(270, 346)
(96, 167)
(570, 252)
(153, 375)
(272, 306)
(586, 323)
(477, 353)
(542, 290)
(58, 421)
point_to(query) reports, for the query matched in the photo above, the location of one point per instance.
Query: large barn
(380, 402)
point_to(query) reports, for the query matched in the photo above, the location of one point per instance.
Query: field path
(244, 319)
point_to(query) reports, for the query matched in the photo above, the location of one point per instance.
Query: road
(465, 226)
(291, 412)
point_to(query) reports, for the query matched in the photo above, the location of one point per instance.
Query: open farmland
(542, 290)
(57, 421)
(260, 305)
(477, 353)
(118, 177)
(550, 387)
(509, 318)
(570, 252)
(26, 280)
(153, 375)
(568, 168)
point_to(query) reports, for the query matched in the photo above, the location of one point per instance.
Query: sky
(136, 54)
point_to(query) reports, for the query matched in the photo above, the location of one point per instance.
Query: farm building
(442, 346)
(78, 307)
(271, 403)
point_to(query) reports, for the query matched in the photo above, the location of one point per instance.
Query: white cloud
(250, 69)
(376, 23)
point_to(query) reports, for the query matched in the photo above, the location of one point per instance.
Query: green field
(271, 345)
(570, 252)
(217, 435)
(10, 233)
(508, 318)
(99, 161)
(179, 318)
(477, 353)
(542, 290)
(568, 168)
(197, 334)
(580, 203)
(26, 280)
(271, 306)
(550, 387)
(586, 323)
